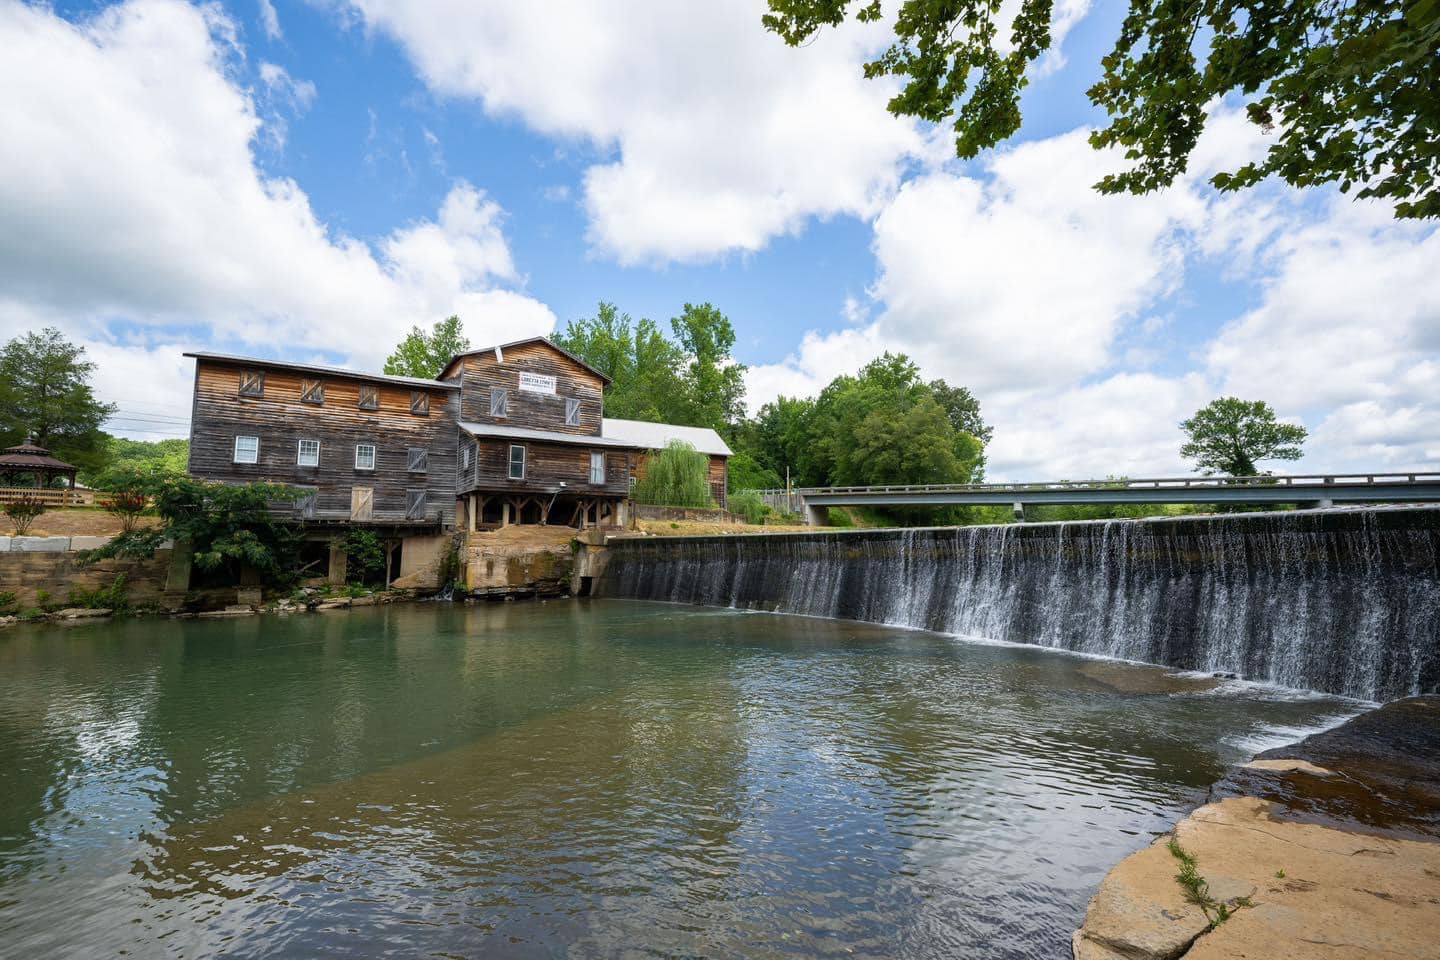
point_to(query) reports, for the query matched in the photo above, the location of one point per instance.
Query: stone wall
(25, 572)
(646, 511)
(519, 561)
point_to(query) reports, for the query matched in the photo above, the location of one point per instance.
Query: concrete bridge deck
(1308, 491)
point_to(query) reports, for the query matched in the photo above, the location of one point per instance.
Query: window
(517, 462)
(499, 402)
(369, 397)
(252, 383)
(309, 500)
(420, 403)
(247, 449)
(466, 452)
(312, 391)
(308, 455)
(414, 504)
(597, 468)
(417, 459)
(364, 456)
(572, 413)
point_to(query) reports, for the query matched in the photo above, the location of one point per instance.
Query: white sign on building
(537, 382)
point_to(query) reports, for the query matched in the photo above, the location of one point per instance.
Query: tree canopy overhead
(1231, 436)
(423, 354)
(1346, 88)
(45, 393)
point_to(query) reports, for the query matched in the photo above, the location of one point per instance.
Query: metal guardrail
(1149, 483)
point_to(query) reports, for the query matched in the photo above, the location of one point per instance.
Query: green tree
(1231, 436)
(124, 455)
(643, 366)
(229, 526)
(1346, 88)
(678, 476)
(423, 354)
(745, 473)
(714, 383)
(45, 393)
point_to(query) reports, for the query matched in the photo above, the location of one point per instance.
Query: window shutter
(414, 504)
(572, 413)
(420, 403)
(252, 383)
(362, 503)
(305, 506)
(312, 391)
(499, 402)
(369, 397)
(418, 460)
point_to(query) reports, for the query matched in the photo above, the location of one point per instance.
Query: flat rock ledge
(1303, 882)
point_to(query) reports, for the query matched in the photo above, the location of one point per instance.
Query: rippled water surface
(581, 779)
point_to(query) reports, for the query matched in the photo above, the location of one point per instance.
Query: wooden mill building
(514, 433)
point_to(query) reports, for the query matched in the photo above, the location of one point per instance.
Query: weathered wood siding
(480, 373)
(280, 420)
(546, 465)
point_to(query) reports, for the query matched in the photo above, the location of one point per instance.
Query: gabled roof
(502, 347)
(656, 436)
(324, 370)
(28, 456)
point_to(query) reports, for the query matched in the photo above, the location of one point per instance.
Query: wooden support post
(505, 513)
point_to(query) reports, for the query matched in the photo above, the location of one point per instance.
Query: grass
(1197, 890)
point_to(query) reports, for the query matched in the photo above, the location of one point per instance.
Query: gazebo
(34, 462)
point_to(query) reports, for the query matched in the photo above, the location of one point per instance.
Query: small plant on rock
(7, 601)
(1197, 889)
(22, 512)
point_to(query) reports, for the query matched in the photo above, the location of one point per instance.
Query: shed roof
(548, 436)
(656, 436)
(324, 370)
(516, 343)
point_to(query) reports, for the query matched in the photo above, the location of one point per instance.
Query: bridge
(1307, 492)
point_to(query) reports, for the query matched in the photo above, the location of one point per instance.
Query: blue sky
(309, 179)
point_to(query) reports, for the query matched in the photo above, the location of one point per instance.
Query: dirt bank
(1328, 848)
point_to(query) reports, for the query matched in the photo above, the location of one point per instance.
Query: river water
(583, 778)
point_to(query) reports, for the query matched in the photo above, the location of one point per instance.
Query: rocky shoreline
(1327, 848)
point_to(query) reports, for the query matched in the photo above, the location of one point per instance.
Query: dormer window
(252, 383)
(312, 391)
(499, 402)
(369, 397)
(420, 403)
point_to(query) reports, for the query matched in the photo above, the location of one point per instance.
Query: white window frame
(374, 456)
(597, 458)
(300, 453)
(503, 396)
(254, 454)
(572, 412)
(510, 471)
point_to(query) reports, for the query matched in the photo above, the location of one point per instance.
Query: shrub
(22, 512)
(750, 505)
(840, 518)
(364, 556)
(114, 597)
(127, 506)
(678, 476)
(7, 600)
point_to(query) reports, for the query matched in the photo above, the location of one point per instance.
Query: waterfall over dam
(1339, 601)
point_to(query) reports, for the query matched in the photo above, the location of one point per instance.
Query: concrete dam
(1339, 601)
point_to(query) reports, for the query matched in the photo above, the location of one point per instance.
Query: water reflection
(577, 778)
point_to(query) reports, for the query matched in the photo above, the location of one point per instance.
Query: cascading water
(1344, 601)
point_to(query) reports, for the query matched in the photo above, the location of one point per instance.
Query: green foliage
(1197, 889)
(678, 476)
(883, 425)
(691, 379)
(839, 517)
(364, 556)
(1231, 436)
(229, 527)
(354, 590)
(22, 512)
(45, 601)
(1344, 90)
(750, 505)
(7, 601)
(126, 457)
(423, 354)
(115, 597)
(45, 393)
(744, 473)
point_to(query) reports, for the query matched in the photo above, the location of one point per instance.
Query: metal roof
(515, 343)
(656, 436)
(330, 371)
(549, 436)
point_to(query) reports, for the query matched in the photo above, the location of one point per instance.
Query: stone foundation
(27, 573)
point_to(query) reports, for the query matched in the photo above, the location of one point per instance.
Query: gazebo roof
(28, 456)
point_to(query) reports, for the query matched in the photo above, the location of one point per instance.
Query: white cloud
(136, 217)
(270, 20)
(298, 94)
(722, 136)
